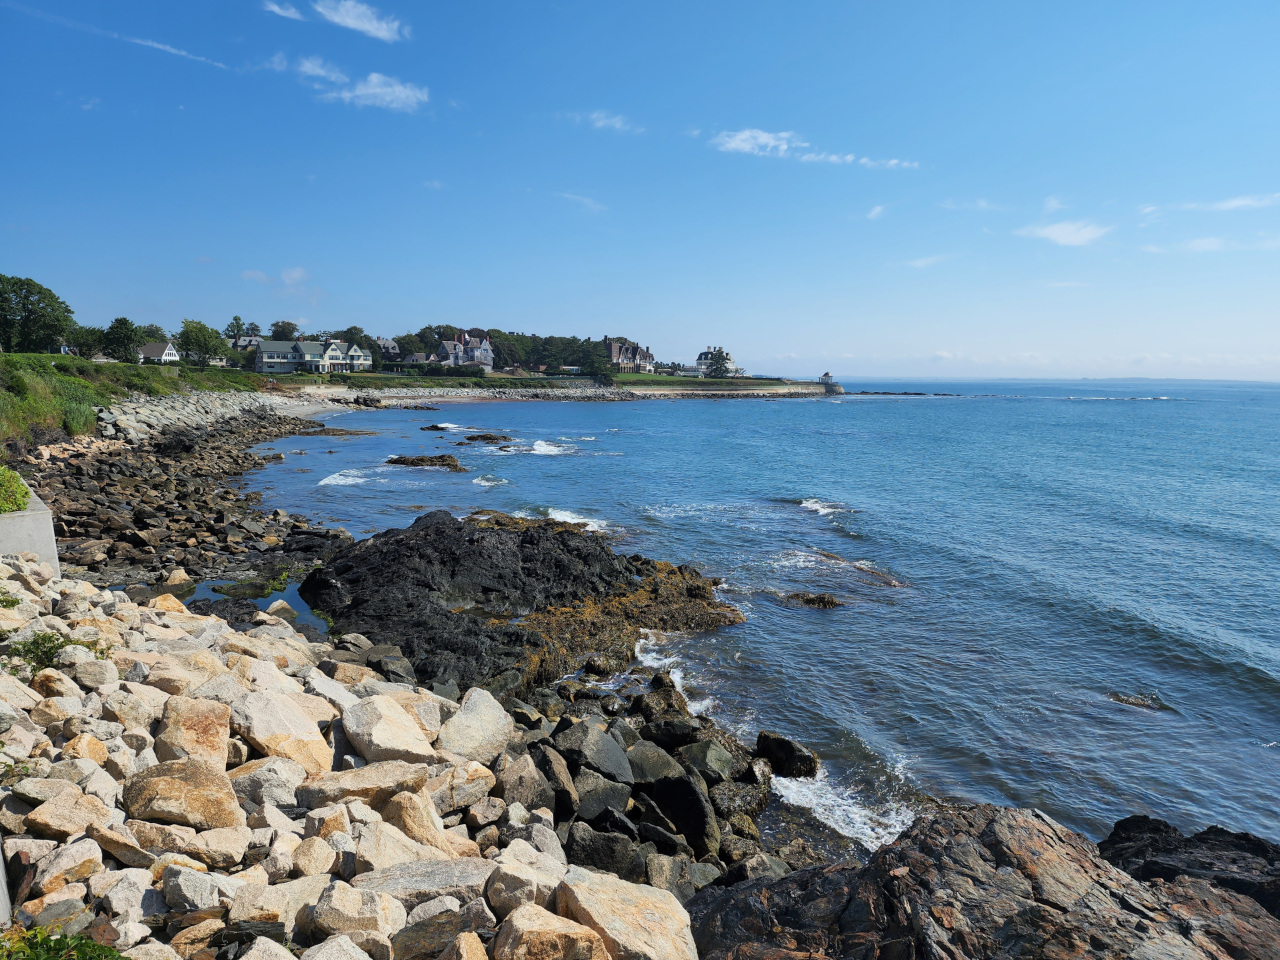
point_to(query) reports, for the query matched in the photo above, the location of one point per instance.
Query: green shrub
(14, 495)
(41, 651)
(44, 944)
(79, 418)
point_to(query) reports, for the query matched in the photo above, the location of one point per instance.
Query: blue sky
(936, 190)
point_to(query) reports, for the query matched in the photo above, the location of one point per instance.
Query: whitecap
(544, 448)
(576, 439)
(593, 525)
(821, 507)
(489, 480)
(450, 426)
(840, 808)
(344, 478)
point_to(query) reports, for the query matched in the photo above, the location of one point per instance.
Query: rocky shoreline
(576, 392)
(470, 764)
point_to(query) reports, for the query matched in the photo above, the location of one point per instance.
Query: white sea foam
(344, 478)
(576, 439)
(489, 480)
(563, 516)
(450, 426)
(840, 808)
(821, 507)
(544, 448)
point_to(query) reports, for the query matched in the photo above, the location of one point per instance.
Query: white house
(311, 356)
(704, 361)
(158, 353)
(466, 350)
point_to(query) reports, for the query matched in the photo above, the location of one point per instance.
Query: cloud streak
(586, 203)
(604, 120)
(1251, 202)
(286, 10)
(362, 18)
(762, 143)
(315, 68)
(1068, 233)
(112, 35)
(379, 90)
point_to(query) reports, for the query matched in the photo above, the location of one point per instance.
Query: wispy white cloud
(824, 157)
(760, 143)
(888, 164)
(433, 184)
(377, 90)
(1206, 245)
(279, 63)
(90, 103)
(983, 206)
(256, 275)
(314, 68)
(587, 204)
(111, 34)
(293, 276)
(1068, 233)
(1053, 204)
(287, 10)
(876, 212)
(604, 120)
(924, 262)
(362, 18)
(1251, 202)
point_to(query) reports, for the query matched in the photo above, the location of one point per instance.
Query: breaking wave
(344, 478)
(489, 480)
(563, 516)
(840, 808)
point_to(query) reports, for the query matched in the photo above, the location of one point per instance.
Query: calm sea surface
(1057, 594)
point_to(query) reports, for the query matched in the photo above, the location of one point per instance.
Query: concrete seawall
(30, 531)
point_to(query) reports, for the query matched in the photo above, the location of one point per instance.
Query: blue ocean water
(1057, 594)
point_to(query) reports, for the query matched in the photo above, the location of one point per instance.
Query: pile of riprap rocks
(174, 786)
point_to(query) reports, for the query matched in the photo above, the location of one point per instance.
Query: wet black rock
(441, 587)
(1150, 849)
(787, 757)
(649, 763)
(611, 852)
(689, 808)
(586, 745)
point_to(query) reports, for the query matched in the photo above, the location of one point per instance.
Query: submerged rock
(446, 461)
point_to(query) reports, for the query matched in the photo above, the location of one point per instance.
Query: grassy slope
(44, 394)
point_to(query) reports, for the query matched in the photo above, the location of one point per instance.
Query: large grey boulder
(480, 730)
(375, 784)
(272, 780)
(277, 726)
(415, 883)
(381, 729)
(586, 745)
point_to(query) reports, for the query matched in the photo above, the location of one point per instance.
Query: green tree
(153, 333)
(234, 330)
(87, 341)
(252, 330)
(409, 343)
(32, 317)
(122, 340)
(200, 343)
(284, 330)
(718, 366)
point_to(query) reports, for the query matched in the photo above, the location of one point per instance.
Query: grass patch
(45, 944)
(14, 495)
(44, 395)
(41, 651)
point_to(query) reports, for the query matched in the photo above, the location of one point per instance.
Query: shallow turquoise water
(1013, 561)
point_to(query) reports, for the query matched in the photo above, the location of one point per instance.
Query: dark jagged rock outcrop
(1151, 849)
(496, 601)
(445, 461)
(982, 882)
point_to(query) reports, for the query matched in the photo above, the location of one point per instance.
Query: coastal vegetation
(43, 395)
(14, 495)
